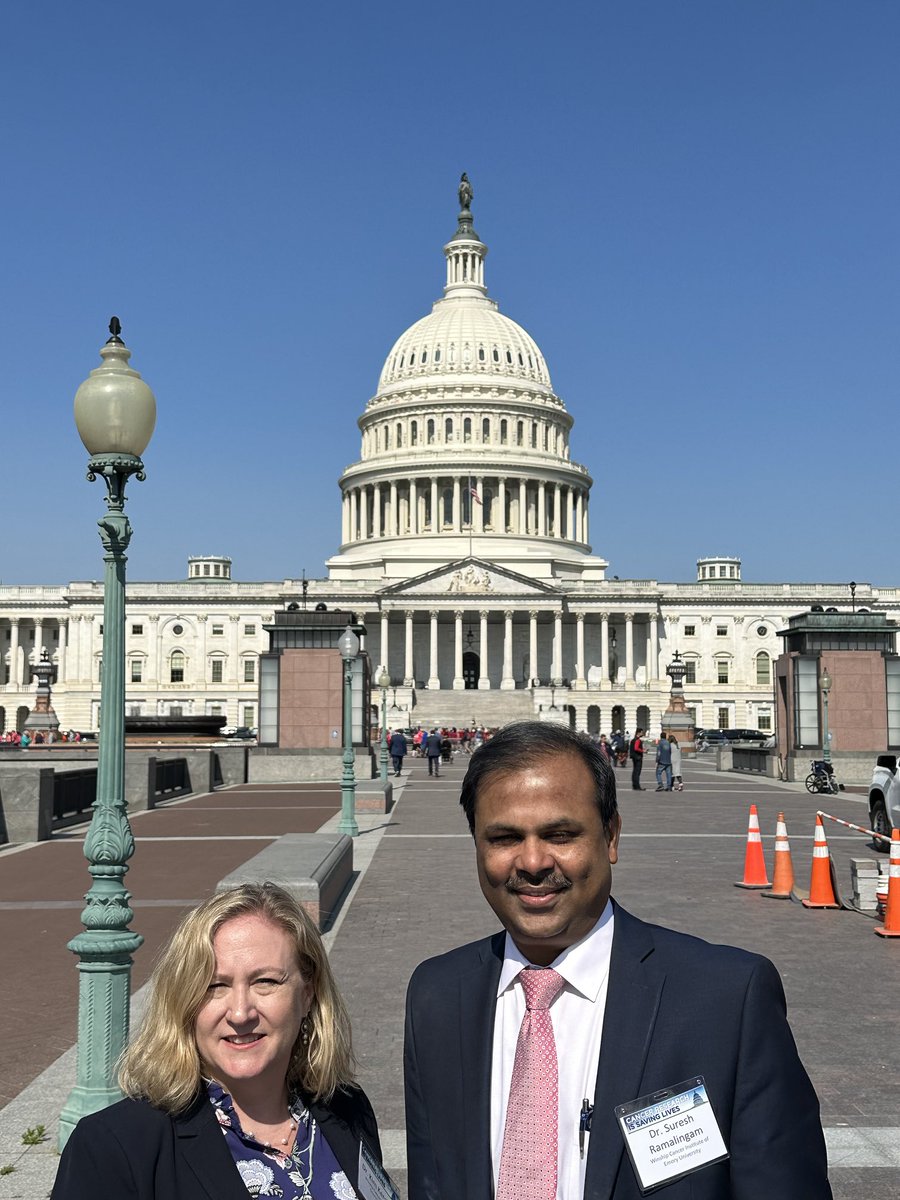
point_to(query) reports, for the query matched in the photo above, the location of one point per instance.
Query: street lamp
(825, 684)
(384, 682)
(115, 413)
(676, 670)
(348, 644)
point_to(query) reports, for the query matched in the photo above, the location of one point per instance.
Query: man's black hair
(522, 744)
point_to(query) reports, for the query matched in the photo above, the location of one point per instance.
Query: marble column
(393, 521)
(654, 646)
(523, 508)
(457, 507)
(354, 514)
(233, 649)
(556, 669)
(484, 679)
(533, 669)
(62, 665)
(364, 513)
(557, 511)
(478, 509)
(579, 650)
(458, 682)
(604, 647)
(201, 668)
(345, 519)
(376, 510)
(570, 514)
(38, 641)
(434, 680)
(507, 682)
(435, 514)
(579, 515)
(542, 510)
(500, 521)
(629, 647)
(413, 508)
(408, 677)
(15, 677)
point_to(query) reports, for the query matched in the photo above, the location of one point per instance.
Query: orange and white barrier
(891, 927)
(754, 863)
(821, 886)
(782, 866)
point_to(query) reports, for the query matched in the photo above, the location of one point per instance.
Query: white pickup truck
(884, 800)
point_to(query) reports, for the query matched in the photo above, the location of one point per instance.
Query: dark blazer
(133, 1151)
(676, 1007)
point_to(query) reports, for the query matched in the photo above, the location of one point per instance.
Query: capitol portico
(465, 550)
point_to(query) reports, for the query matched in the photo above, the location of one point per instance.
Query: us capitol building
(465, 549)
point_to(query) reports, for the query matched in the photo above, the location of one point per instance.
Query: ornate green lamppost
(115, 412)
(384, 682)
(348, 644)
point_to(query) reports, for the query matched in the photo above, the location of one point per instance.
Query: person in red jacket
(637, 760)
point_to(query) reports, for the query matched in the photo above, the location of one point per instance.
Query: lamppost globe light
(825, 683)
(115, 410)
(348, 644)
(384, 680)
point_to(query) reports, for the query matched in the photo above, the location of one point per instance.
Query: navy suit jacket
(676, 1007)
(133, 1151)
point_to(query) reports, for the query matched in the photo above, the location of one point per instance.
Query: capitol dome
(465, 445)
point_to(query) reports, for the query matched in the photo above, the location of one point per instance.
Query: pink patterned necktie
(528, 1162)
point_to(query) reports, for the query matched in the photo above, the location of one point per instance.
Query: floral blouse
(308, 1170)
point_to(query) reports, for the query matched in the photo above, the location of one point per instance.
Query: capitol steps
(463, 709)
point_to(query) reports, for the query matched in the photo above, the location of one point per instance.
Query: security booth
(301, 680)
(837, 692)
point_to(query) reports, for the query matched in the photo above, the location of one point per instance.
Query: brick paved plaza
(417, 895)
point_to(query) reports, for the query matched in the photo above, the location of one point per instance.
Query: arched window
(534, 431)
(521, 363)
(424, 357)
(496, 355)
(481, 353)
(402, 361)
(509, 356)
(763, 668)
(546, 438)
(447, 497)
(487, 505)
(387, 437)
(176, 667)
(520, 433)
(414, 433)
(448, 429)
(399, 435)
(504, 431)
(467, 429)
(486, 429)
(430, 435)
(437, 354)
(412, 359)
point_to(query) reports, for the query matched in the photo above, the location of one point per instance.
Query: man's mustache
(555, 881)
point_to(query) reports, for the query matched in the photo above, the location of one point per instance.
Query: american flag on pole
(473, 492)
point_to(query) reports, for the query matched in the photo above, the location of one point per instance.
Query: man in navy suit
(642, 1009)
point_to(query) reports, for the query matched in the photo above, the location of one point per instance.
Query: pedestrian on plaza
(605, 747)
(618, 746)
(397, 748)
(663, 764)
(240, 1080)
(520, 1047)
(637, 760)
(677, 781)
(433, 752)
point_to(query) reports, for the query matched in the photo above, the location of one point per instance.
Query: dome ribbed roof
(465, 335)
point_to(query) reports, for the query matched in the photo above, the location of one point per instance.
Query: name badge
(671, 1133)
(374, 1181)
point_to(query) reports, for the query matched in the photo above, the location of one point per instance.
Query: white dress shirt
(577, 1015)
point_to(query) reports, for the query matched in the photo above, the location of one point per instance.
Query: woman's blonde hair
(162, 1064)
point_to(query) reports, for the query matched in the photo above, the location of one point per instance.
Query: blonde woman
(677, 781)
(240, 1081)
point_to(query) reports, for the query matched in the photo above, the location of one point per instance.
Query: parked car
(243, 733)
(884, 800)
(746, 735)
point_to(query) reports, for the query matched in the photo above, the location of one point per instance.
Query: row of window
(722, 572)
(498, 356)
(216, 629)
(521, 433)
(763, 665)
(721, 630)
(177, 666)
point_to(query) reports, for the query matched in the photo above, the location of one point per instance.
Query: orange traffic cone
(821, 889)
(782, 866)
(891, 927)
(754, 863)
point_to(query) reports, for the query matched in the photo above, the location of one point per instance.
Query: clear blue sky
(693, 207)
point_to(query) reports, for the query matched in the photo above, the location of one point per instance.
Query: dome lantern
(465, 252)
